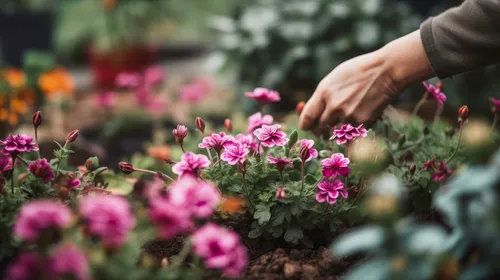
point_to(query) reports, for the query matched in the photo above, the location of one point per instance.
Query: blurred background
(125, 72)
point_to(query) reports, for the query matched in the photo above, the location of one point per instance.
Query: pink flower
(107, 217)
(38, 216)
(442, 173)
(220, 248)
(154, 75)
(271, 136)
(74, 183)
(105, 100)
(348, 132)
(68, 261)
(264, 95)
(328, 191)
(335, 165)
(128, 80)
(41, 169)
(27, 266)
(280, 163)
(18, 144)
(257, 120)
(193, 93)
(217, 141)
(436, 93)
(191, 164)
(235, 153)
(169, 219)
(313, 153)
(495, 103)
(198, 197)
(155, 190)
(5, 163)
(431, 164)
(280, 193)
(180, 133)
(248, 140)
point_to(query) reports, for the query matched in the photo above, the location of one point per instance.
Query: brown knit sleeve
(463, 38)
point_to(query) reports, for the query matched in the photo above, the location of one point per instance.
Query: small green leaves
(262, 215)
(293, 235)
(254, 233)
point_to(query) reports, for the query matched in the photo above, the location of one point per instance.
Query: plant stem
(154, 173)
(438, 113)
(458, 143)
(12, 175)
(23, 160)
(182, 148)
(495, 120)
(302, 175)
(247, 194)
(210, 155)
(183, 254)
(281, 175)
(419, 104)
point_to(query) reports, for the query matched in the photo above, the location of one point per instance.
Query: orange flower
(57, 81)
(14, 77)
(109, 4)
(159, 152)
(232, 205)
(18, 106)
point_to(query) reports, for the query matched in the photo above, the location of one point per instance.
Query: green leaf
(99, 171)
(277, 232)
(366, 238)
(254, 233)
(293, 234)
(262, 216)
(294, 136)
(371, 270)
(279, 216)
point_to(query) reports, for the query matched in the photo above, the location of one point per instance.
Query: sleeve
(463, 38)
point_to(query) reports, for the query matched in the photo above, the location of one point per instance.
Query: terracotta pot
(107, 65)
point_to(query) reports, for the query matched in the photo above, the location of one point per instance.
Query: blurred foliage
(30, 5)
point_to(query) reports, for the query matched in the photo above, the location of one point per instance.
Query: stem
(182, 148)
(210, 155)
(12, 176)
(458, 143)
(247, 194)
(302, 175)
(154, 173)
(183, 254)
(281, 175)
(495, 120)
(419, 104)
(36, 135)
(438, 113)
(23, 160)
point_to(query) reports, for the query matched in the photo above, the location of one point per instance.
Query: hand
(358, 90)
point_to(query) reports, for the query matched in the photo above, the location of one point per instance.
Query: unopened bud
(126, 167)
(242, 167)
(37, 119)
(304, 153)
(72, 136)
(412, 169)
(92, 163)
(300, 107)
(228, 125)
(463, 113)
(200, 124)
(180, 133)
(280, 193)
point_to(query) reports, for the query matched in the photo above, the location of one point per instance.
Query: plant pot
(107, 65)
(21, 31)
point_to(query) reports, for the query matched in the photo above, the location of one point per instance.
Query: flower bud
(200, 124)
(37, 119)
(92, 163)
(300, 107)
(126, 167)
(180, 133)
(412, 169)
(228, 125)
(72, 136)
(304, 153)
(280, 193)
(463, 113)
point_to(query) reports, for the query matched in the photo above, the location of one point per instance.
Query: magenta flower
(128, 80)
(180, 133)
(436, 93)
(442, 173)
(154, 75)
(335, 165)
(191, 164)
(431, 164)
(105, 100)
(217, 141)
(313, 153)
(248, 140)
(39, 216)
(67, 261)
(495, 103)
(198, 197)
(220, 249)
(5, 164)
(73, 183)
(348, 132)
(27, 266)
(264, 95)
(328, 191)
(280, 163)
(257, 120)
(271, 135)
(169, 219)
(193, 93)
(107, 217)
(235, 153)
(18, 144)
(41, 169)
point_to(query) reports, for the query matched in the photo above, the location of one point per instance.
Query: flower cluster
(15, 144)
(41, 169)
(436, 93)
(264, 95)
(217, 141)
(271, 135)
(347, 133)
(329, 190)
(191, 164)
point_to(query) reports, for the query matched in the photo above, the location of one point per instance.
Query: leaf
(293, 139)
(99, 171)
(262, 216)
(277, 232)
(370, 270)
(278, 217)
(359, 240)
(426, 239)
(310, 179)
(254, 233)
(293, 234)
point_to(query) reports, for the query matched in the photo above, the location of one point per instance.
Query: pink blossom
(264, 95)
(18, 144)
(155, 190)
(74, 183)
(193, 93)
(128, 80)
(280, 193)
(169, 219)
(442, 173)
(495, 103)
(271, 135)
(436, 93)
(191, 164)
(154, 75)
(205, 83)
(431, 164)
(348, 132)
(41, 215)
(280, 163)
(257, 120)
(313, 153)
(217, 141)
(68, 261)
(41, 169)
(220, 248)
(107, 217)
(335, 165)
(180, 133)
(328, 191)
(5, 163)
(198, 197)
(27, 266)
(248, 140)
(105, 100)
(235, 153)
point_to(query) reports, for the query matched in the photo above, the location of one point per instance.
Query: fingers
(330, 117)
(312, 112)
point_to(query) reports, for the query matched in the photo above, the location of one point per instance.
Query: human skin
(358, 90)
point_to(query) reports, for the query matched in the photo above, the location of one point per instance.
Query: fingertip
(311, 113)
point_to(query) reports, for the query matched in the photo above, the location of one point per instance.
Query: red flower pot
(107, 65)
